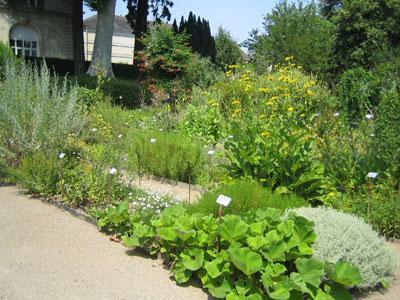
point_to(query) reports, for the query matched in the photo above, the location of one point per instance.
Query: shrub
(256, 256)
(89, 97)
(384, 210)
(91, 185)
(345, 237)
(246, 195)
(386, 144)
(168, 155)
(37, 111)
(6, 56)
(358, 89)
(128, 93)
(39, 173)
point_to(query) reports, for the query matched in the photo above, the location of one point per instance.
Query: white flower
(369, 116)
(113, 171)
(372, 134)
(160, 129)
(210, 152)
(94, 129)
(153, 141)
(61, 156)
(120, 97)
(336, 114)
(130, 194)
(230, 136)
(119, 136)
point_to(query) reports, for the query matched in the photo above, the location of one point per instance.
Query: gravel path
(46, 253)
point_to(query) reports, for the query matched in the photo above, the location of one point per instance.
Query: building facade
(38, 28)
(123, 43)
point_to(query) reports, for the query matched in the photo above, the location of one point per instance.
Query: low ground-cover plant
(39, 173)
(253, 256)
(246, 194)
(344, 237)
(139, 206)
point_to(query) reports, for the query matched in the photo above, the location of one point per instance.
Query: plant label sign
(223, 200)
(372, 175)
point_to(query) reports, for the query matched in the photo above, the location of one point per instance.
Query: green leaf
(192, 259)
(275, 251)
(130, 242)
(258, 228)
(281, 290)
(256, 242)
(345, 274)
(219, 287)
(214, 268)
(233, 228)
(249, 262)
(181, 274)
(142, 230)
(167, 233)
(311, 270)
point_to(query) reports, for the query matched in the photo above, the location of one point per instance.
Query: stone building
(38, 28)
(123, 42)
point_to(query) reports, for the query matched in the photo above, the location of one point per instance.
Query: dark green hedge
(66, 67)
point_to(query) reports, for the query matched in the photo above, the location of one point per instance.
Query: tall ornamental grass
(37, 111)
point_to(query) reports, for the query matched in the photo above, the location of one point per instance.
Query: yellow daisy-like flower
(236, 102)
(263, 90)
(289, 58)
(310, 93)
(273, 98)
(302, 115)
(265, 134)
(331, 194)
(290, 109)
(233, 66)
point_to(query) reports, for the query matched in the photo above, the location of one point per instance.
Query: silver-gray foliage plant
(345, 237)
(37, 110)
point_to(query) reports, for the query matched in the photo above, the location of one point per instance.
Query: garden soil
(46, 253)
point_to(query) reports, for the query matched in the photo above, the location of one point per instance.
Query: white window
(31, 3)
(24, 41)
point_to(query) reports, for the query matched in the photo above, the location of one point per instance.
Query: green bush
(6, 55)
(89, 97)
(37, 111)
(128, 93)
(91, 186)
(39, 173)
(256, 256)
(168, 155)
(344, 237)
(384, 209)
(358, 89)
(246, 195)
(386, 144)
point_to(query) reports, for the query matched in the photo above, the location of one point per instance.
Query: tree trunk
(77, 32)
(141, 23)
(101, 59)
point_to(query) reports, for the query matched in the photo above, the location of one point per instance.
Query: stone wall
(53, 24)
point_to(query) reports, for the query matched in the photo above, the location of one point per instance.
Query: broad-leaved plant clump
(344, 237)
(252, 256)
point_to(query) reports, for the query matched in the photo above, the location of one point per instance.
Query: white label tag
(372, 175)
(223, 200)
